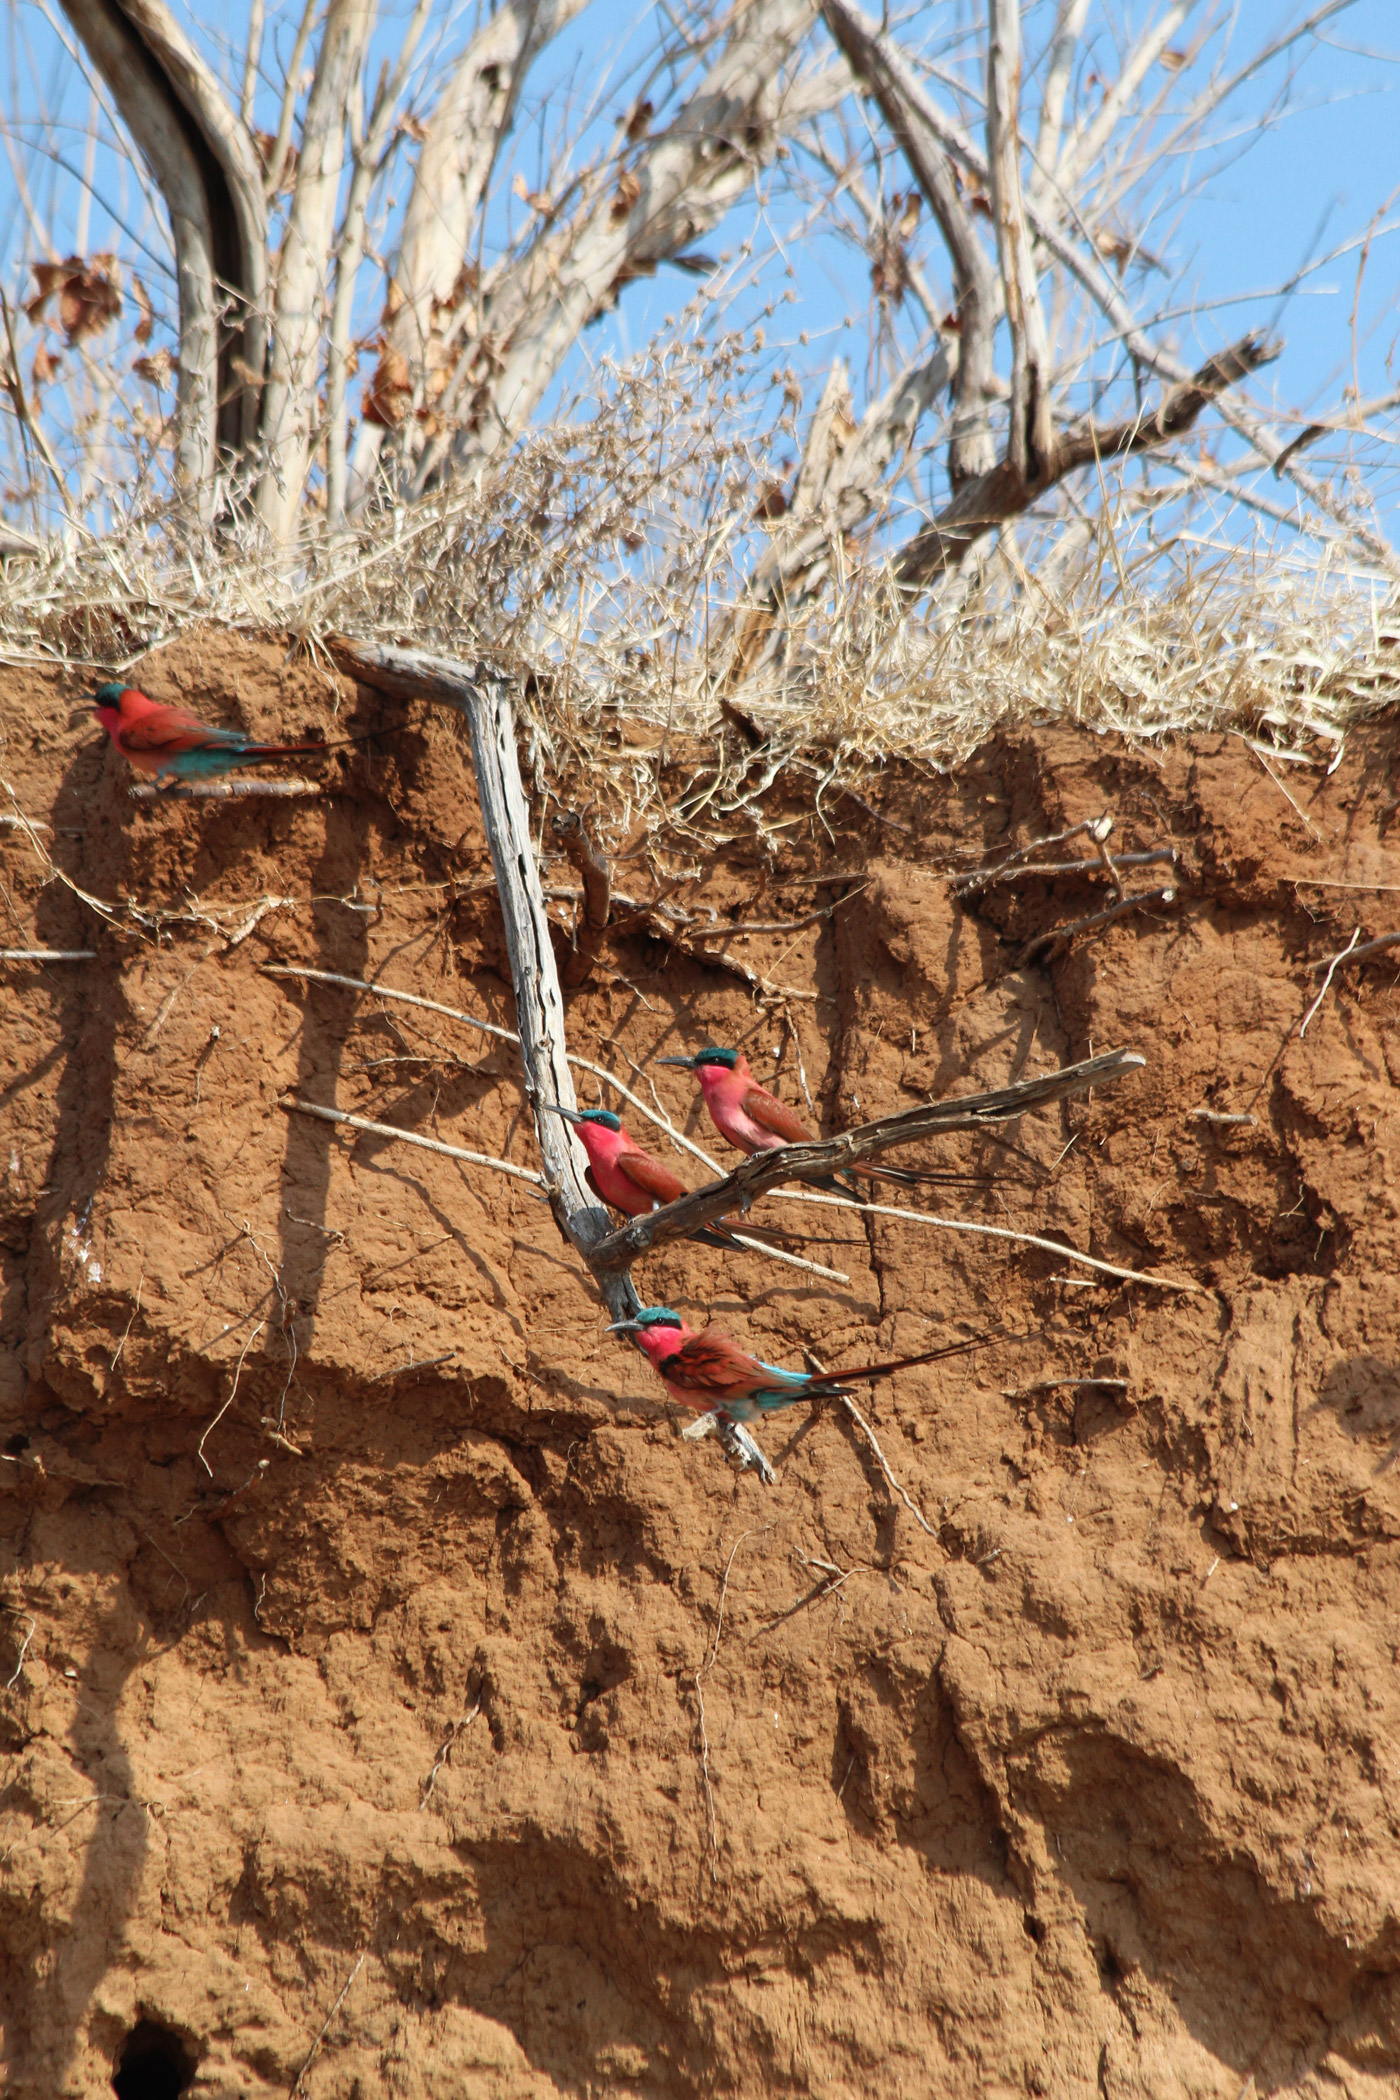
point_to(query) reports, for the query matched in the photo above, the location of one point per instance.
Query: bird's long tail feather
(331, 743)
(832, 1381)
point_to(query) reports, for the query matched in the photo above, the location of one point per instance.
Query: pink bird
(710, 1370)
(754, 1120)
(171, 744)
(624, 1174)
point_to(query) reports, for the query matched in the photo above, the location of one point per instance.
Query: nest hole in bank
(154, 2064)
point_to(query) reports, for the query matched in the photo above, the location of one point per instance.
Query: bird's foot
(739, 1444)
(735, 1438)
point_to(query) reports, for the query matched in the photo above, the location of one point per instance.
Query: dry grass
(602, 567)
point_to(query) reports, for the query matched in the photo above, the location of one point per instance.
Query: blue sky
(1291, 172)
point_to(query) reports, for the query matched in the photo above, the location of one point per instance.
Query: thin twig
(1053, 1385)
(995, 1232)
(755, 1531)
(1351, 954)
(915, 1512)
(988, 878)
(1057, 938)
(299, 2081)
(411, 1137)
(705, 1778)
(832, 1581)
(1334, 963)
(226, 791)
(382, 991)
(13, 1679)
(859, 1419)
(457, 1729)
(48, 955)
(232, 1396)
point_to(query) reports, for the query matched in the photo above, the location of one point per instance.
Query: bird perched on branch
(710, 1371)
(756, 1121)
(623, 1173)
(172, 745)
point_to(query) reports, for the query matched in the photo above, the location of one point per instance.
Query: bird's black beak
(688, 1062)
(570, 1115)
(624, 1327)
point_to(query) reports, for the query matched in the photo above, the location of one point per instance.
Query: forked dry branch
(823, 1157)
(406, 674)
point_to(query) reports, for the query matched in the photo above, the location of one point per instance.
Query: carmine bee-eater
(171, 744)
(624, 1174)
(710, 1370)
(756, 1121)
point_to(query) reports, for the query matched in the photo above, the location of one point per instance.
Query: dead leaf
(44, 369)
(465, 283)
(416, 129)
(1174, 60)
(629, 189)
(908, 209)
(89, 294)
(639, 121)
(157, 370)
(773, 502)
(538, 200)
(266, 143)
(390, 390)
(148, 313)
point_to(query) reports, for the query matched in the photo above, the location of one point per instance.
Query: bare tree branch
(289, 399)
(875, 59)
(1087, 144)
(1031, 446)
(1084, 264)
(464, 135)
(350, 249)
(202, 159)
(1069, 27)
(1003, 494)
(291, 88)
(251, 58)
(817, 1160)
(677, 187)
(838, 488)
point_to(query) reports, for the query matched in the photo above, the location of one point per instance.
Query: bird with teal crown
(709, 1372)
(171, 745)
(624, 1174)
(753, 1120)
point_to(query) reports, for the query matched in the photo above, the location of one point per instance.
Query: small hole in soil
(1110, 1968)
(154, 2064)
(16, 1443)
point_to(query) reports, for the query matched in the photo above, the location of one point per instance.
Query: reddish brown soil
(1090, 1785)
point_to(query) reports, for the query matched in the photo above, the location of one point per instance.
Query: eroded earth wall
(390, 1686)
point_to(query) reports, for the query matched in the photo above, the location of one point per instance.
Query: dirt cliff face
(390, 1686)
